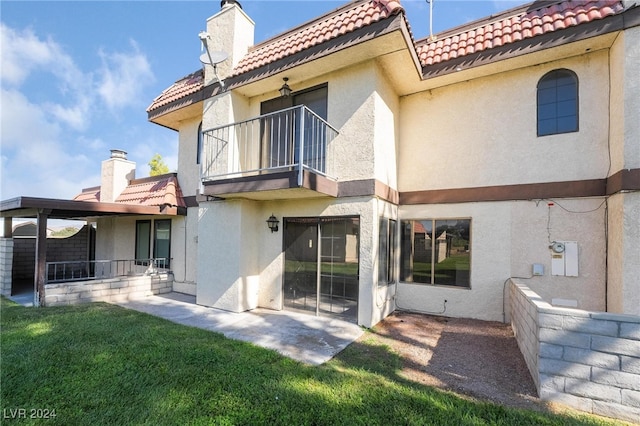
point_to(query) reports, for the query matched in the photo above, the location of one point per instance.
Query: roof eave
(68, 209)
(608, 25)
(245, 83)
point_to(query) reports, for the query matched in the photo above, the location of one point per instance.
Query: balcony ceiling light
(285, 90)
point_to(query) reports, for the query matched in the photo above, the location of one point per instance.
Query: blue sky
(77, 77)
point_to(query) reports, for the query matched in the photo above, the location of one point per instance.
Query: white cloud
(23, 53)
(22, 122)
(123, 77)
(47, 147)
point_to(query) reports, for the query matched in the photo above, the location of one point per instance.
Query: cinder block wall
(6, 265)
(75, 247)
(108, 290)
(587, 360)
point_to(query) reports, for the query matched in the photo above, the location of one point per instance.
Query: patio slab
(305, 338)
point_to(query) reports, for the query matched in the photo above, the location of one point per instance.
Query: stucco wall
(116, 239)
(624, 254)
(353, 107)
(188, 169)
(184, 251)
(227, 255)
(534, 224)
(483, 132)
(241, 260)
(490, 263)
(625, 102)
(386, 137)
(507, 238)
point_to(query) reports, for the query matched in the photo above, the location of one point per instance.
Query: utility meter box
(564, 258)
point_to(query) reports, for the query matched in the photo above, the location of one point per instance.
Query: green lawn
(102, 364)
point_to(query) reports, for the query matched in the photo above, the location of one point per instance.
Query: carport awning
(28, 207)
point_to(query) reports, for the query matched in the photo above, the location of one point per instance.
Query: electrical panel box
(564, 261)
(538, 269)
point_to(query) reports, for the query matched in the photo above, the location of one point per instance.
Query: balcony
(280, 155)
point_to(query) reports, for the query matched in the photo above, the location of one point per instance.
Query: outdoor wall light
(285, 90)
(272, 223)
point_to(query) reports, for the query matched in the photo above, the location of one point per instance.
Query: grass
(102, 364)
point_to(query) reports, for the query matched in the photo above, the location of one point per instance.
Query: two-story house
(344, 168)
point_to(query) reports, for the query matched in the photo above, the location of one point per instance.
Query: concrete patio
(302, 337)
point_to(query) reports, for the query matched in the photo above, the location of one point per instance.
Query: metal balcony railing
(81, 270)
(291, 139)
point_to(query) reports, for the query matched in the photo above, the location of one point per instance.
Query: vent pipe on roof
(224, 3)
(118, 153)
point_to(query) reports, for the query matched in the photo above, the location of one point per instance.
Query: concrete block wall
(587, 360)
(24, 258)
(108, 290)
(75, 247)
(525, 327)
(6, 265)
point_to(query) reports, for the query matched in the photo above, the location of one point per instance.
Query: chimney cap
(118, 153)
(224, 3)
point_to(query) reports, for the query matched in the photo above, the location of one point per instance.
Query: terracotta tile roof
(533, 20)
(347, 19)
(153, 191)
(89, 194)
(524, 22)
(182, 88)
(160, 190)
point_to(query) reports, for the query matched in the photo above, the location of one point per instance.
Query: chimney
(117, 171)
(230, 31)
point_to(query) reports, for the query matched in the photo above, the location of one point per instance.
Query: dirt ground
(480, 359)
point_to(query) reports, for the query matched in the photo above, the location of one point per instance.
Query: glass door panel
(335, 290)
(300, 264)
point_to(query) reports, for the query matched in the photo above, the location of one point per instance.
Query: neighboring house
(399, 173)
(27, 230)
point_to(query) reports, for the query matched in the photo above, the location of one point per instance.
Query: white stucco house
(344, 168)
(400, 173)
(503, 136)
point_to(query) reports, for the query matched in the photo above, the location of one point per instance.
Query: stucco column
(228, 275)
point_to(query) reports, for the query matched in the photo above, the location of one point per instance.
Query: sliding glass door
(322, 265)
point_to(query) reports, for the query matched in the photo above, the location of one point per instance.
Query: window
(143, 241)
(161, 242)
(387, 251)
(436, 251)
(557, 102)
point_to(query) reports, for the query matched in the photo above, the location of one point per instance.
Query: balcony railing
(291, 139)
(84, 270)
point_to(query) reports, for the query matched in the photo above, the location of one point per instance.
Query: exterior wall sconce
(285, 90)
(272, 223)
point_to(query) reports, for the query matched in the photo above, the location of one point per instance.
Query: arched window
(199, 144)
(558, 102)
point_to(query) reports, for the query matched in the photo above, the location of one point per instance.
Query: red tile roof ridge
(184, 86)
(522, 22)
(161, 190)
(347, 18)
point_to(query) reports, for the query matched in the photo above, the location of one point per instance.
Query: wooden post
(41, 257)
(8, 227)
